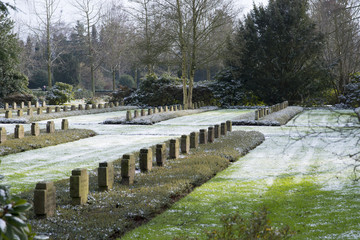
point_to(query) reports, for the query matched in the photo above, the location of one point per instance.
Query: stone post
(44, 103)
(79, 186)
(117, 104)
(29, 104)
(229, 126)
(50, 127)
(223, 129)
(14, 105)
(106, 105)
(257, 114)
(65, 108)
(100, 106)
(128, 115)
(93, 106)
(111, 105)
(19, 131)
(35, 129)
(122, 103)
(180, 107)
(8, 114)
(37, 104)
(136, 113)
(57, 109)
(174, 149)
(81, 107)
(20, 113)
(185, 144)
(150, 111)
(105, 176)
(39, 111)
(44, 199)
(30, 112)
(73, 108)
(217, 131)
(2, 135)
(161, 109)
(166, 109)
(64, 124)
(171, 108)
(143, 112)
(87, 107)
(160, 154)
(211, 134)
(196, 105)
(194, 140)
(6, 107)
(48, 110)
(156, 110)
(128, 169)
(203, 136)
(22, 105)
(146, 158)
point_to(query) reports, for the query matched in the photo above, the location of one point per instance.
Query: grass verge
(29, 142)
(111, 214)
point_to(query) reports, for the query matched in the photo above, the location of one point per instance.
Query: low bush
(60, 93)
(108, 215)
(19, 97)
(81, 93)
(351, 96)
(121, 94)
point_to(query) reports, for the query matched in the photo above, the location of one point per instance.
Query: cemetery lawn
(29, 142)
(113, 213)
(302, 173)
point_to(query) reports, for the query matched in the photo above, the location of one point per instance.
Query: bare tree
(90, 11)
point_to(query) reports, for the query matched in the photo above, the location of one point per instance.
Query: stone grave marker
(203, 136)
(105, 176)
(194, 140)
(81, 107)
(6, 107)
(146, 158)
(19, 131)
(128, 115)
(64, 124)
(30, 112)
(223, 129)
(79, 186)
(22, 105)
(3, 135)
(8, 114)
(94, 106)
(136, 113)
(29, 104)
(150, 111)
(128, 169)
(87, 107)
(142, 112)
(185, 144)
(50, 127)
(44, 199)
(73, 108)
(35, 129)
(174, 149)
(20, 113)
(100, 106)
(14, 105)
(229, 126)
(160, 154)
(217, 131)
(57, 109)
(211, 134)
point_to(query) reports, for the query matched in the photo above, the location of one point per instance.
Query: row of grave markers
(260, 113)
(35, 130)
(45, 194)
(39, 110)
(144, 112)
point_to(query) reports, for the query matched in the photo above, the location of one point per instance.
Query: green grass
(123, 208)
(29, 142)
(299, 203)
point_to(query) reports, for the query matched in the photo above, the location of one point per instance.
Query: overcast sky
(25, 15)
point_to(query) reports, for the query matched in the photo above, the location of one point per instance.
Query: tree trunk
(48, 47)
(114, 78)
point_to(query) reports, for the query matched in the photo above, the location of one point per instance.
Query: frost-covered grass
(123, 208)
(357, 110)
(29, 142)
(303, 173)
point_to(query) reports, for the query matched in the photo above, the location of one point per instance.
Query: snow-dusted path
(23, 170)
(310, 152)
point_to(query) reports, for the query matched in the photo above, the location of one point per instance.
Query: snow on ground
(23, 170)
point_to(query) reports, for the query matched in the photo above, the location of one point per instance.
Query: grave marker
(211, 134)
(19, 131)
(50, 127)
(160, 154)
(105, 176)
(2, 135)
(64, 124)
(35, 129)
(146, 158)
(185, 144)
(44, 199)
(194, 140)
(79, 186)
(128, 169)
(203, 136)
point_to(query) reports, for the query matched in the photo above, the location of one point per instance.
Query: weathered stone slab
(160, 154)
(8, 114)
(106, 176)
(14, 106)
(136, 113)
(128, 169)
(217, 131)
(44, 103)
(117, 104)
(229, 126)
(57, 109)
(22, 105)
(81, 107)
(29, 104)
(6, 107)
(64, 124)
(39, 111)
(30, 112)
(156, 110)
(150, 111)
(211, 134)
(93, 106)
(79, 186)
(35, 129)
(143, 112)
(166, 109)
(20, 113)
(19, 131)
(44, 199)
(50, 127)
(174, 149)
(185, 144)
(146, 158)
(73, 108)
(171, 108)
(257, 114)
(106, 105)
(161, 109)
(111, 105)
(128, 115)
(196, 105)
(65, 108)
(203, 136)
(223, 129)
(87, 107)
(194, 140)
(48, 110)
(3, 135)
(100, 106)
(37, 105)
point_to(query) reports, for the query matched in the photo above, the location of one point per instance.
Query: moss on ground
(111, 214)
(29, 142)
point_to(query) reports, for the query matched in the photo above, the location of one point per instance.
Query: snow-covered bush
(60, 93)
(351, 96)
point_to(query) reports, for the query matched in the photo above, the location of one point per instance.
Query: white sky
(25, 16)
